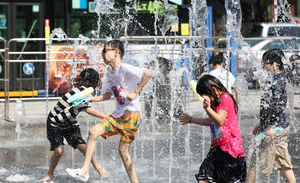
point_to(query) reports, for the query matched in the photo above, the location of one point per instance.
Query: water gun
(193, 85)
(262, 135)
(80, 98)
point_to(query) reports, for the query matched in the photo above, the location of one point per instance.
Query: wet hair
(204, 87)
(116, 44)
(88, 77)
(274, 55)
(216, 60)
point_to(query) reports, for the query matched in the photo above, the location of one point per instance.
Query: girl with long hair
(225, 161)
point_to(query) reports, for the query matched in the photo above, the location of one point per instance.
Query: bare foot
(104, 173)
(101, 171)
(47, 178)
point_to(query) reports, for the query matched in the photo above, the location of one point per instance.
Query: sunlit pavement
(162, 152)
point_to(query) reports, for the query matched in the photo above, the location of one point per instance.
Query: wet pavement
(161, 152)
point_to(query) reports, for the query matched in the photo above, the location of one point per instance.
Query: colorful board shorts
(127, 125)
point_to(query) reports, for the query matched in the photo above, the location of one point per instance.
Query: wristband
(190, 119)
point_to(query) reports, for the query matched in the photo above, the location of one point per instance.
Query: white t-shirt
(226, 77)
(120, 84)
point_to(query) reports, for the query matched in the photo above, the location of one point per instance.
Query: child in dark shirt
(273, 152)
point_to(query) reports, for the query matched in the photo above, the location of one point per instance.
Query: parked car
(251, 51)
(293, 74)
(272, 29)
(250, 56)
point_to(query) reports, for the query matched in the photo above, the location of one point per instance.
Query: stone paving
(162, 152)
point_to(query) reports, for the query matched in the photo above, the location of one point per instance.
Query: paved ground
(163, 152)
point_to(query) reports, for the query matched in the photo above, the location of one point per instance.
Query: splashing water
(163, 150)
(170, 18)
(1, 114)
(282, 12)
(200, 15)
(233, 27)
(104, 6)
(20, 117)
(19, 178)
(3, 170)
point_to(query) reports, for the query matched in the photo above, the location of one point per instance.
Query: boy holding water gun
(62, 123)
(273, 149)
(124, 81)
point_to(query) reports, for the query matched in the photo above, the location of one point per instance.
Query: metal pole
(6, 80)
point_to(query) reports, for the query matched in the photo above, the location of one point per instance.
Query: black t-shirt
(273, 103)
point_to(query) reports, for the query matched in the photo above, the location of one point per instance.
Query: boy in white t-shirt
(122, 82)
(226, 77)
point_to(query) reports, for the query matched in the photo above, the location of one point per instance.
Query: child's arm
(96, 113)
(185, 119)
(236, 94)
(105, 96)
(145, 78)
(256, 129)
(219, 117)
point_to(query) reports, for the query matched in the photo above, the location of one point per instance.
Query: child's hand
(269, 131)
(79, 108)
(184, 118)
(90, 99)
(206, 102)
(256, 130)
(131, 96)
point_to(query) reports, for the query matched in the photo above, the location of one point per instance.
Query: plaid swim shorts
(127, 125)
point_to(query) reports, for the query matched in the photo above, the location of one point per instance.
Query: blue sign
(0, 69)
(3, 22)
(28, 68)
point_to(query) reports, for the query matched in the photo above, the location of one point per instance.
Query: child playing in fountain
(122, 82)
(225, 161)
(226, 77)
(63, 124)
(273, 150)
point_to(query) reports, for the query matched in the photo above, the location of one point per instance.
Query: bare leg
(251, 177)
(53, 162)
(288, 175)
(82, 148)
(127, 161)
(202, 181)
(94, 133)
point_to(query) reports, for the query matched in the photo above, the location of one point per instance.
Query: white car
(251, 56)
(272, 29)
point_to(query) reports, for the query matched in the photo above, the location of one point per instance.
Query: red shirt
(228, 135)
